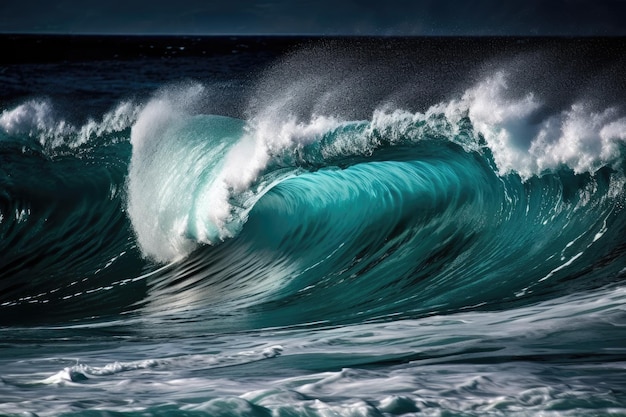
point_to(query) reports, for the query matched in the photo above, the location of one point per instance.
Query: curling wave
(474, 202)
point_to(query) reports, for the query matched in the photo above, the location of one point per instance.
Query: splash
(525, 142)
(176, 196)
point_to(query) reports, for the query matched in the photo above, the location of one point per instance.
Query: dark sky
(383, 17)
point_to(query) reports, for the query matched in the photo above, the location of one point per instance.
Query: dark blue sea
(310, 226)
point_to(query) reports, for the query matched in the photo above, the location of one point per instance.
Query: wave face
(396, 239)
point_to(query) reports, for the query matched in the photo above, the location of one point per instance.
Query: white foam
(158, 205)
(35, 118)
(82, 372)
(501, 121)
(266, 138)
(27, 117)
(585, 142)
(38, 119)
(580, 137)
(120, 118)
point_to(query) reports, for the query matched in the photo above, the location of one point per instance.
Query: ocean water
(265, 226)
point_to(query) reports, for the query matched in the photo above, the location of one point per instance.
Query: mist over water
(353, 227)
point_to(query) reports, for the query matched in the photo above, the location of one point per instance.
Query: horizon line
(310, 34)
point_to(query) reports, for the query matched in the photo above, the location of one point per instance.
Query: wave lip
(176, 195)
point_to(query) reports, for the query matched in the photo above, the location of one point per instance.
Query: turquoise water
(326, 247)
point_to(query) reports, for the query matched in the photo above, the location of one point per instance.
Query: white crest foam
(579, 137)
(38, 119)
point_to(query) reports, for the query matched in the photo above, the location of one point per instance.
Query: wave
(473, 203)
(64, 234)
(207, 172)
(485, 200)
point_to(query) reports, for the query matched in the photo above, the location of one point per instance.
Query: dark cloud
(385, 17)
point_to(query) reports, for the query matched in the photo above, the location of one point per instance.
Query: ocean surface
(319, 227)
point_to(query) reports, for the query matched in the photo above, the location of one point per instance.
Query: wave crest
(525, 141)
(37, 120)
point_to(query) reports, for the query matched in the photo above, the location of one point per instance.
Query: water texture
(313, 227)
